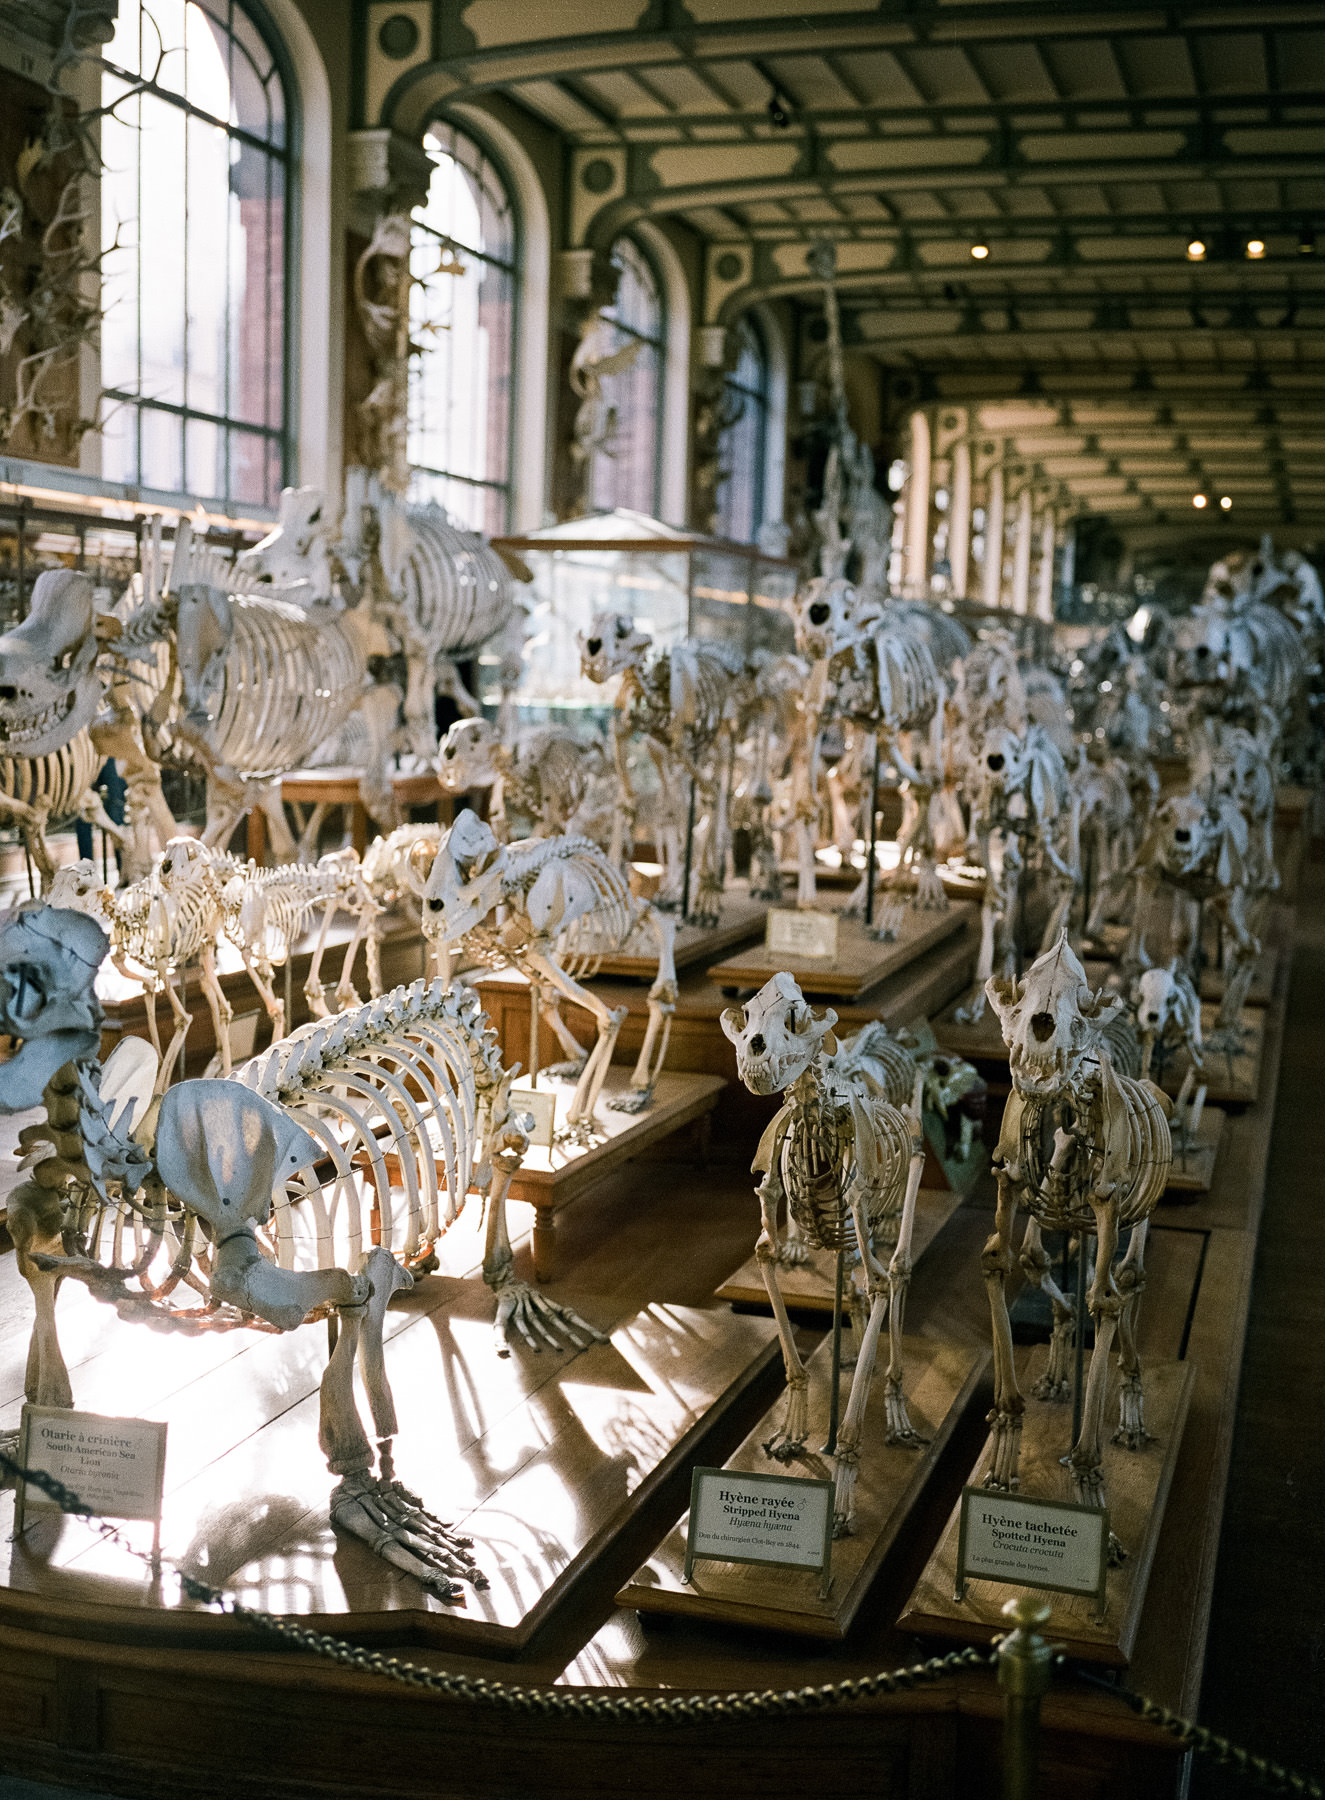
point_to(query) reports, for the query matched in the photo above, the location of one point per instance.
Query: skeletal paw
(1131, 1432)
(784, 1449)
(522, 1309)
(930, 894)
(788, 1442)
(636, 1101)
(1052, 1387)
(1117, 1555)
(570, 1070)
(581, 1136)
(971, 1011)
(395, 1525)
(899, 1428)
(346, 997)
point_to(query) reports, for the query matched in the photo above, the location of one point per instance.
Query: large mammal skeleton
(560, 899)
(1083, 1149)
(689, 704)
(848, 1163)
(437, 593)
(49, 695)
(535, 788)
(247, 1204)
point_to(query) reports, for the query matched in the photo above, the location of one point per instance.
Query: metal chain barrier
(511, 1696)
(1258, 1769)
(1022, 1658)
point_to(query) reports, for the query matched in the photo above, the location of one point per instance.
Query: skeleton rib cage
(54, 784)
(1144, 1162)
(385, 1090)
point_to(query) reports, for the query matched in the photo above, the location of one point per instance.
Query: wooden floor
(1265, 1666)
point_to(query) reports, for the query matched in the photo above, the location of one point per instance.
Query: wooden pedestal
(940, 1380)
(809, 1286)
(542, 1459)
(550, 1179)
(742, 918)
(1193, 1172)
(1136, 1485)
(860, 965)
(1229, 1080)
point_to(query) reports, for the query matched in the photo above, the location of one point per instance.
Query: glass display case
(672, 583)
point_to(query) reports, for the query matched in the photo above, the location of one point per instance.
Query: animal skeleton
(541, 783)
(1168, 1017)
(177, 916)
(429, 591)
(49, 693)
(1083, 1149)
(562, 898)
(409, 1089)
(688, 704)
(848, 1162)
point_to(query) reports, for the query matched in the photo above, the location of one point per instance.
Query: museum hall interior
(662, 899)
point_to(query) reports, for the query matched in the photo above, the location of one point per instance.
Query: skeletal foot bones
(395, 1525)
(522, 1309)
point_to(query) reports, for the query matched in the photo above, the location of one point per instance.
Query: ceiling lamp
(1197, 249)
(980, 251)
(1306, 241)
(1226, 502)
(1255, 249)
(1200, 502)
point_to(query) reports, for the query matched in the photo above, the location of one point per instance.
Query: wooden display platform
(698, 1045)
(941, 1380)
(1230, 1080)
(1137, 1486)
(809, 1286)
(543, 1459)
(549, 1180)
(860, 965)
(742, 918)
(1194, 1172)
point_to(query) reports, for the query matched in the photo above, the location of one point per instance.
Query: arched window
(626, 468)
(462, 314)
(743, 446)
(195, 194)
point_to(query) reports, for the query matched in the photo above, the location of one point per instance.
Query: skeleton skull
(283, 555)
(613, 645)
(465, 881)
(824, 615)
(776, 1035)
(1185, 834)
(48, 963)
(81, 888)
(1051, 1020)
(48, 682)
(467, 758)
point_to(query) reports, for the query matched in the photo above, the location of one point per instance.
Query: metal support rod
(1025, 1671)
(289, 989)
(533, 1034)
(835, 1385)
(690, 845)
(870, 849)
(1079, 1348)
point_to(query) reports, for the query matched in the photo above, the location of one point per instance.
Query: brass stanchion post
(1025, 1662)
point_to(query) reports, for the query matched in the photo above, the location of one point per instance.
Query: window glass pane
(625, 468)
(462, 315)
(741, 449)
(194, 219)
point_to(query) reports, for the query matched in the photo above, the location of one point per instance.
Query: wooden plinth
(697, 1044)
(1193, 1172)
(981, 1042)
(742, 918)
(1136, 1485)
(941, 1380)
(542, 1459)
(1229, 1080)
(860, 965)
(550, 1179)
(809, 1286)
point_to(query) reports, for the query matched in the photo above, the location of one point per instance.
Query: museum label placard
(741, 1518)
(115, 1466)
(812, 934)
(1026, 1542)
(541, 1104)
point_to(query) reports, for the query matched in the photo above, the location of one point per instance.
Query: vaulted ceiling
(1085, 144)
